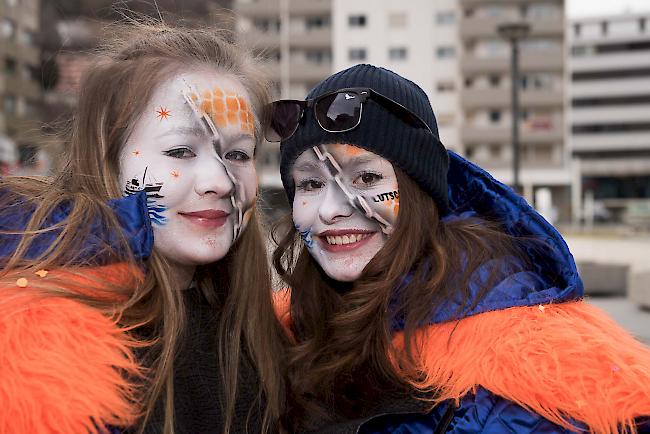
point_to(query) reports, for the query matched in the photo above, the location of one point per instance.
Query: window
(318, 56)
(495, 151)
(445, 86)
(7, 28)
(642, 24)
(446, 52)
(27, 155)
(495, 116)
(397, 20)
(357, 21)
(445, 119)
(317, 22)
(10, 66)
(469, 82)
(9, 104)
(267, 25)
(397, 53)
(26, 37)
(445, 18)
(495, 80)
(604, 26)
(576, 29)
(357, 54)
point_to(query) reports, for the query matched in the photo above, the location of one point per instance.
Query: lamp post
(513, 32)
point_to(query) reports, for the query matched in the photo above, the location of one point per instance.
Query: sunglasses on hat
(335, 112)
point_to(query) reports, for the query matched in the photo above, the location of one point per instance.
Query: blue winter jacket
(529, 357)
(553, 280)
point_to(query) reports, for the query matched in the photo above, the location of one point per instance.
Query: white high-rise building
(610, 116)
(417, 39)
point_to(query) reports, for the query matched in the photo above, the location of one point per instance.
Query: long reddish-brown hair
(135, 60)
(343, 358)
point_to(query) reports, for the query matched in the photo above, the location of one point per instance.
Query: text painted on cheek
(383, 197)
(225, 108)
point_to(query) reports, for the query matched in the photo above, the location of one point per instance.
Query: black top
(199, 396)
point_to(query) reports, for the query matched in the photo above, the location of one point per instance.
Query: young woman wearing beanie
(425, 296)
(98, 332)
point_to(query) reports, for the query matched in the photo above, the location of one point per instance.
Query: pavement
(630, 250)
(627, 314)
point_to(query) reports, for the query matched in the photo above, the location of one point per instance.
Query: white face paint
(191, 174)
(340, 237)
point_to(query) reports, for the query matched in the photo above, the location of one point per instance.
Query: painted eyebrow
(195, 130)
(308, 166)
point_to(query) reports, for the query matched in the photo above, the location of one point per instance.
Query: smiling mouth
(207, 219)
(337, 241)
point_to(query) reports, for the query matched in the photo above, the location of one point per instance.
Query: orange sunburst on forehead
(225, 108)
(162, 113)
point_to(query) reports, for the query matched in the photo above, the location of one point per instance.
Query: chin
(349, 275)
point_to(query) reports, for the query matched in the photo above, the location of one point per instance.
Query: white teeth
(345, 239)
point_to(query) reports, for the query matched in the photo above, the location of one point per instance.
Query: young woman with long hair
(98, 330)
(425, 296)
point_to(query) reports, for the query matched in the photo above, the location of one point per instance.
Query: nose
(335, 205)
(212, 178)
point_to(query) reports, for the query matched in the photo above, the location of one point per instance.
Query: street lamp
(513, 32)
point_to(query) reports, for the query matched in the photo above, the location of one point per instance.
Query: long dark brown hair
(344, 359)
(134, 61)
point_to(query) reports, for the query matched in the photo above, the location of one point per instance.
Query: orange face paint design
(226, 108)
(136, 153)
(175, 173)
(162, 113)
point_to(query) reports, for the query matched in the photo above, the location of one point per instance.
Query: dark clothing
(199, 395)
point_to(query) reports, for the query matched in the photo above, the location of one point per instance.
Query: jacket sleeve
(131, 212)
(64, 367)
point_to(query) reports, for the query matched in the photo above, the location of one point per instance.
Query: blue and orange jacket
(64, 366)
(531, 356)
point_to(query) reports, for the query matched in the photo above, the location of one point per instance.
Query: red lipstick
(208, 218)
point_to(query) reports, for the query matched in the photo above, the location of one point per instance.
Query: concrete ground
(630, 250)
(627, 314)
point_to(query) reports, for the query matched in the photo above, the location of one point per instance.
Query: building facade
(610, 117)
(20, 87)
(295, 39)
(452, 49)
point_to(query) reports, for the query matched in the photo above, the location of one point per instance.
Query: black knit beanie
(416, 152)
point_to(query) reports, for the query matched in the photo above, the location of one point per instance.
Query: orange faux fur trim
(63, 365)
(562, 361)
(282, 307)
(567, 360)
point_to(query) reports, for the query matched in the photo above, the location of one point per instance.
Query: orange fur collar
(562, 361)
(62, 364)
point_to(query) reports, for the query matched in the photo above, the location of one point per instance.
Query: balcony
(501, 98)
(317, 38)
(502, 134)
(485, 27)
(18, 86)
(300, 71)
(265, 8)
(551, 60)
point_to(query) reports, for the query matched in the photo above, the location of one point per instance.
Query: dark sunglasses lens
(338, 112)
(285, 116)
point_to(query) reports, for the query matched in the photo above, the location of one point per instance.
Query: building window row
(611, 128)
(633, 46)
(610, 74)
(608, 101)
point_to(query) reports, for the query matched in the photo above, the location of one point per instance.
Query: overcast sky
(590, 8)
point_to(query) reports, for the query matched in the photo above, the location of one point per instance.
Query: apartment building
(452, 49)
(295, 38)
(417, 39)
(486, 95)
(20, 87)
(610, 116)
